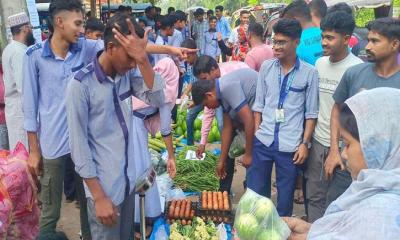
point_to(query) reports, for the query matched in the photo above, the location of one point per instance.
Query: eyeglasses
(279, 43)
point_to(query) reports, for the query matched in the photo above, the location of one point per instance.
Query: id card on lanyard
(284, 91)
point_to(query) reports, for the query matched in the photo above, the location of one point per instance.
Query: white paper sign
(191, 155)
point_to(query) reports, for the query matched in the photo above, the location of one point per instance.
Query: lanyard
(284, 86)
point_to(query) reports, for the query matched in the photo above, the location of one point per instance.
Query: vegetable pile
(181, 128)
(157, 143)
(215, 201)
(198, 230)
(196, 175)
(181, 209)
(257, 219)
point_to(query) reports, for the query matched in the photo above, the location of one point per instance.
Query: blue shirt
(46, 77)
(223, 27)
(235, 90)
(310, 48)
(210, 44)
(100, 126)
(301, 103)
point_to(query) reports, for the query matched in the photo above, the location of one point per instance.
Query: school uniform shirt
(210, 44)
(46, 77)
(236, 90)
(300, 103)
(199, 28)
(100, 126)
(160, 40)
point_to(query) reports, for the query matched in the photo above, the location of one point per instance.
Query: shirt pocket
(296, 96)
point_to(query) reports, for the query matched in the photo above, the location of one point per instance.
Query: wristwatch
(308, 144)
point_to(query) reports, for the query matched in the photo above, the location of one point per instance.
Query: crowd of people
(311, 99)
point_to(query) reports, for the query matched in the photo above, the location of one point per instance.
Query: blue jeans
(190, 118)
(258, 175)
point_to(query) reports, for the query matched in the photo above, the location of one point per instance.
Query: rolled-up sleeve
(30, 93)
(261, 90)
(165, 117)
(208, 116)
(155, 96)
(77, 104)
(312, 92)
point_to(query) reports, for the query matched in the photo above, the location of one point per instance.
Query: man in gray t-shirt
(235, 92)
(382, 71)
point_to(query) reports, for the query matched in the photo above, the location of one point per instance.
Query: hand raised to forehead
(132, 43)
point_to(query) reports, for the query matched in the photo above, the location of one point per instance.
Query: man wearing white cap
(13, 56)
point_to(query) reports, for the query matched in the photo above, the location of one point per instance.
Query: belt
(144, 116)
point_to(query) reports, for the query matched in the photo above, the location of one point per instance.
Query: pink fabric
(209, 114)
(19, 211)
(257, 55)
(2, 104)
(169, 72)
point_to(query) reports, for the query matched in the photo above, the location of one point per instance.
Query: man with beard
(381, 71)
(337, 28)
(13, 57)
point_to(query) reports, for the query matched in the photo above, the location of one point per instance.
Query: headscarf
(240, 47)
(370, 207)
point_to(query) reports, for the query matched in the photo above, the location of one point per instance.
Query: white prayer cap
(18, 19)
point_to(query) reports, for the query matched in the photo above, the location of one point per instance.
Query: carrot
(220, 201)
(209, 194)
(183, 209)
(177, 209)
(215, 200)
(226, 201)
(171, 209)
(188, 208)
(204, 200)
(192, 213)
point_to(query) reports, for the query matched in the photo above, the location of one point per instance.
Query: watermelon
(210, 138)
(179, 131)
(183, 126)
(197, 135)
(197, 124)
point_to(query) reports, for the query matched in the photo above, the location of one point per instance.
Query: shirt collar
(296, 64)
(100, 75)
(73, 48)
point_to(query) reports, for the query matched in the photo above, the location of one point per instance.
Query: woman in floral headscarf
(239, 50)
(370, 207)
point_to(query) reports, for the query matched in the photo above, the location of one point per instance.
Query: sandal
(298, 196)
